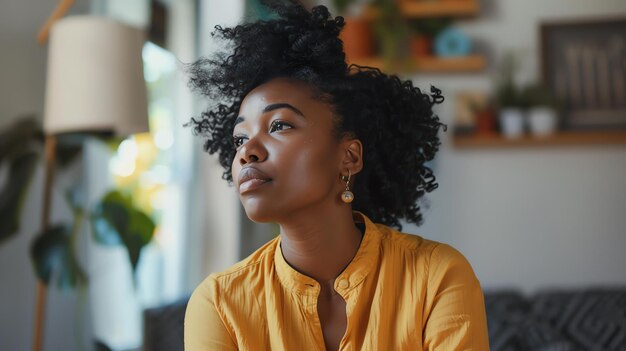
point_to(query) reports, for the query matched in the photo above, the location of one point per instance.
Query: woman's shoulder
(244, 272)
(405, 241)
(435, 252)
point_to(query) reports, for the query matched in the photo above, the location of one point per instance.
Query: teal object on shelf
(452, 43)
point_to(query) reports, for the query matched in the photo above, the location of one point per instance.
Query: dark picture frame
(584, 62)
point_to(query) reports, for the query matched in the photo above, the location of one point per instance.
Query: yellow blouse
(402, 292)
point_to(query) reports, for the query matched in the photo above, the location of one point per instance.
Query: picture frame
(584, 62)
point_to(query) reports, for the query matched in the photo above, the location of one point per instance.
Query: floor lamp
(95, 83)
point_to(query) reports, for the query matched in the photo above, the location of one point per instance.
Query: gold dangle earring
(347, 196)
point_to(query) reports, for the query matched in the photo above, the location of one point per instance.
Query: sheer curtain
(166, 184)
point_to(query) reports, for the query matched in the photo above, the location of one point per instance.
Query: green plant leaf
(66, 154)
(100, 346)
(116, 221)
(391, 30)
(110, 218)
(342, 5)
(74, 198)
(18, 136)
(540, 95)
(108, 221)
(13, 194)
(430, 27)
(18, 153)
(53, 258)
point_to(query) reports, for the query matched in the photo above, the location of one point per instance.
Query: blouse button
(344, 284)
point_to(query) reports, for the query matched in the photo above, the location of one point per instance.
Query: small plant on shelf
(509, 98)
(423, 33)
(391, 30)
(508, 95)
(543, 108)
(538, 95)
(357, 32)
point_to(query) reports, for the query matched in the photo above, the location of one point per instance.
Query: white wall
(532, 218)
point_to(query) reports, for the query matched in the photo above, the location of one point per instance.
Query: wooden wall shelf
(471, 63)
(564, 138)
(417, 8)
(431, 8)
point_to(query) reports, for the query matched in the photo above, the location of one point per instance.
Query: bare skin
(331, 309)
(285, 133)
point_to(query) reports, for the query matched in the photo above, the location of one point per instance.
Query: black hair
(393, 119)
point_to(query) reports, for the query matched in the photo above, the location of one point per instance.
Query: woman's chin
(259, 214)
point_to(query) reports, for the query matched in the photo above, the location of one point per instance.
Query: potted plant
(391, 30)
(115, 219)
(357, 33)
(423, 32)
(485, 117)
(509, 99)
(542, 109)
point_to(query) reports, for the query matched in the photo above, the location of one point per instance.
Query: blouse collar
(363, 262)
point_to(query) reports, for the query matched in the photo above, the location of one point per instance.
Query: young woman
(335, 155)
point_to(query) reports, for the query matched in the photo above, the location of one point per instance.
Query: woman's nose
(252, 151)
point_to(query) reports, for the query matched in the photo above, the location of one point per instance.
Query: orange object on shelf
(421, 46)
(486, 122)
(417, 8)
(357, 38)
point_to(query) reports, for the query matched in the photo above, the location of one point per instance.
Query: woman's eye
(279, 125)
(238, 140)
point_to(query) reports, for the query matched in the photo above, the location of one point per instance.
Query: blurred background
(111, 213)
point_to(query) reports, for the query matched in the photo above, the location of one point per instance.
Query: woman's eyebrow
(273, 107)
(276, 106)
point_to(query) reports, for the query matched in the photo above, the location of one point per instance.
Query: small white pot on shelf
(542, 121)
(512, 122)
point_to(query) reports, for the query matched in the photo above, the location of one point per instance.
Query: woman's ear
(352, 155)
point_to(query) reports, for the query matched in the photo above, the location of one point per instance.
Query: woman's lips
(251, 184)
(251, 178)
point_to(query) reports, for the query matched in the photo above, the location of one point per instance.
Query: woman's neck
(321, 243)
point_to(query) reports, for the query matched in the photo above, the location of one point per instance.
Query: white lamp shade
(95, 79)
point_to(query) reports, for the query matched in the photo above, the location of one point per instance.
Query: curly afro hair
(393, 119)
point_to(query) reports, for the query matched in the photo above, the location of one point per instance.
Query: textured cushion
(557, 320)
(593, 319)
